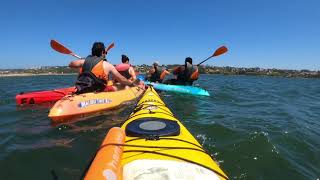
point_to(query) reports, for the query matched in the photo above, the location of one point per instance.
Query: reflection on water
(45, 143)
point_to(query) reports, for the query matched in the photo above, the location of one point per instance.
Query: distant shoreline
(30, 74)
(64, 70)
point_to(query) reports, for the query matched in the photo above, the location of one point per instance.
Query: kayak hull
(39, 97)
(179, 88)
(192, 90)
(73, 106)
(152, 143)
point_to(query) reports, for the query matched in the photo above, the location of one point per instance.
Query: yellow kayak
(152, 144)
(72, 106)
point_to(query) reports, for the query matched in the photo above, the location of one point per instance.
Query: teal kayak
(176, 88)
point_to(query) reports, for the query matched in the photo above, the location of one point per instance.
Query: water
(256, 127)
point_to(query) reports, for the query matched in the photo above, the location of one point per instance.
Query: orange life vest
(158, 75)
(186, 75)
(94, 64)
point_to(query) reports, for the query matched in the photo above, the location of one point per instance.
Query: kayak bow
(152, 144)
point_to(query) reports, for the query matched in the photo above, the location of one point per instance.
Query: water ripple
(255, 127)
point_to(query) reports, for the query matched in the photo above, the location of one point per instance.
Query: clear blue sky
(259, 33)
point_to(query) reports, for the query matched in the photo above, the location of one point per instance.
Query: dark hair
(97, 49)
(188, 59)
(124, 58)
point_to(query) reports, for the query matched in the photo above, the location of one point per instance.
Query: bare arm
(132, 73)
(76, 63)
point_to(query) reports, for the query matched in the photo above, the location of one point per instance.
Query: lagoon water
(256, 127)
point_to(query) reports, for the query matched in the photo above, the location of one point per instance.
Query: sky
(258, 33)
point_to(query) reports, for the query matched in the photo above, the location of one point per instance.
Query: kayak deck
(192, 90)
(153, 144)
(73, 106)
(39, 97)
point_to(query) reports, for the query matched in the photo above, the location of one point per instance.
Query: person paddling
(186, 74)
(94, 71)
(125, 68)
(157, 73)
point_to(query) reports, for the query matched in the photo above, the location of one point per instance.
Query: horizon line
(38, 67)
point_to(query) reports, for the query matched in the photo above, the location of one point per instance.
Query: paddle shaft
(204, 60)
(75, 55)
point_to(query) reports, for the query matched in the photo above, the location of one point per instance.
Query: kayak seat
(152, 127)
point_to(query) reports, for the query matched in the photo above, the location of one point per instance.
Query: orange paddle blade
(59, 47)
(220, 50)
(109, 47)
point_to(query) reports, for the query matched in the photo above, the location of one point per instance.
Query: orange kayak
(72, 106)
